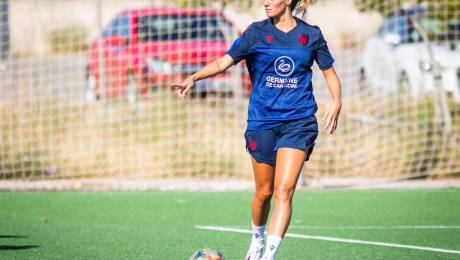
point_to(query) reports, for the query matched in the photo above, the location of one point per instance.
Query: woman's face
(275, 7)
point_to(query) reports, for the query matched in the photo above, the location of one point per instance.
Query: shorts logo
(284, 66)
(252, 144)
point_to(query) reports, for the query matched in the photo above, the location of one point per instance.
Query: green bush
(69, 39)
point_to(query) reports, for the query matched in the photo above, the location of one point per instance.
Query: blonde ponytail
(300, 6)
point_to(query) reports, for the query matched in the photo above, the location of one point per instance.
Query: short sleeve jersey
(279, 65)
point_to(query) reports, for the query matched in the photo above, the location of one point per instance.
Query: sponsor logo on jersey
(284, 66)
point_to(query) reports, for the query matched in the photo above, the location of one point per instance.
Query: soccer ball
(207, 254)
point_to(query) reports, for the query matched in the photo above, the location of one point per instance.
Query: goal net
(85, 90)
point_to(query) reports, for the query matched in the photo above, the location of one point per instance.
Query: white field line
(336, 239)
(369, 227)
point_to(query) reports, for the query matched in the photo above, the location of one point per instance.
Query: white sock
(257, 236)
(273, 244)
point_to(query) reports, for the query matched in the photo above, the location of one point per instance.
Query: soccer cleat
(255, 254)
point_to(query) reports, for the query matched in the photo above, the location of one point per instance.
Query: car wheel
(363, 84)
(403, 83)
(131, 87)
(202, 94)
(91, 85)
(147, 85)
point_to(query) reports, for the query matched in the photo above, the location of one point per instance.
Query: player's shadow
(12, 236)
(15, 247)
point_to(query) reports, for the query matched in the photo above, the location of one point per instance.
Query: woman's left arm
(332, 115)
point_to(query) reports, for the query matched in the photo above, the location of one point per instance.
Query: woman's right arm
(219, 65)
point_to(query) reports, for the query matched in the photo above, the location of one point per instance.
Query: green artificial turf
(161, 225)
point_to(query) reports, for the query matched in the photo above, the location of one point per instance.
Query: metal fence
(84, 90)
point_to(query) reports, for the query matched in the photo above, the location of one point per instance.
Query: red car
(155, 46)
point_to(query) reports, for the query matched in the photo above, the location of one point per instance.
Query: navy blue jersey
(279, 65)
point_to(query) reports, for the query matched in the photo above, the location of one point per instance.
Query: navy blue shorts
(299, 134)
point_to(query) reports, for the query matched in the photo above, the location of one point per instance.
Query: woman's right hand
(184, 87)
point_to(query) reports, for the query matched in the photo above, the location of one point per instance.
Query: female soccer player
(282, 127)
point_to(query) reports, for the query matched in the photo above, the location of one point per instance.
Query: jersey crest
(269, 37)
(303, 38)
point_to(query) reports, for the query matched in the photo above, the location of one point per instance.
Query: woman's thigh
(289, 163)
(264, 175)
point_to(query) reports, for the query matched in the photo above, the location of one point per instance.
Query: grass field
(163, 225)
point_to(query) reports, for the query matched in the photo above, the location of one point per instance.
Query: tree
(202, 3)
(240, 4)
(446, 10)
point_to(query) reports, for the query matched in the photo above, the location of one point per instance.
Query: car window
(395, 25)
(431, 25)
(180, 27)
(440, 30)
(402, 26)
(120, 26)
(436, 29)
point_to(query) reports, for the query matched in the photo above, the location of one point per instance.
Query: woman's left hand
(331, 117)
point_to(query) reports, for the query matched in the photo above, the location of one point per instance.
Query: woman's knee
(284, 193)
(264, 194)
